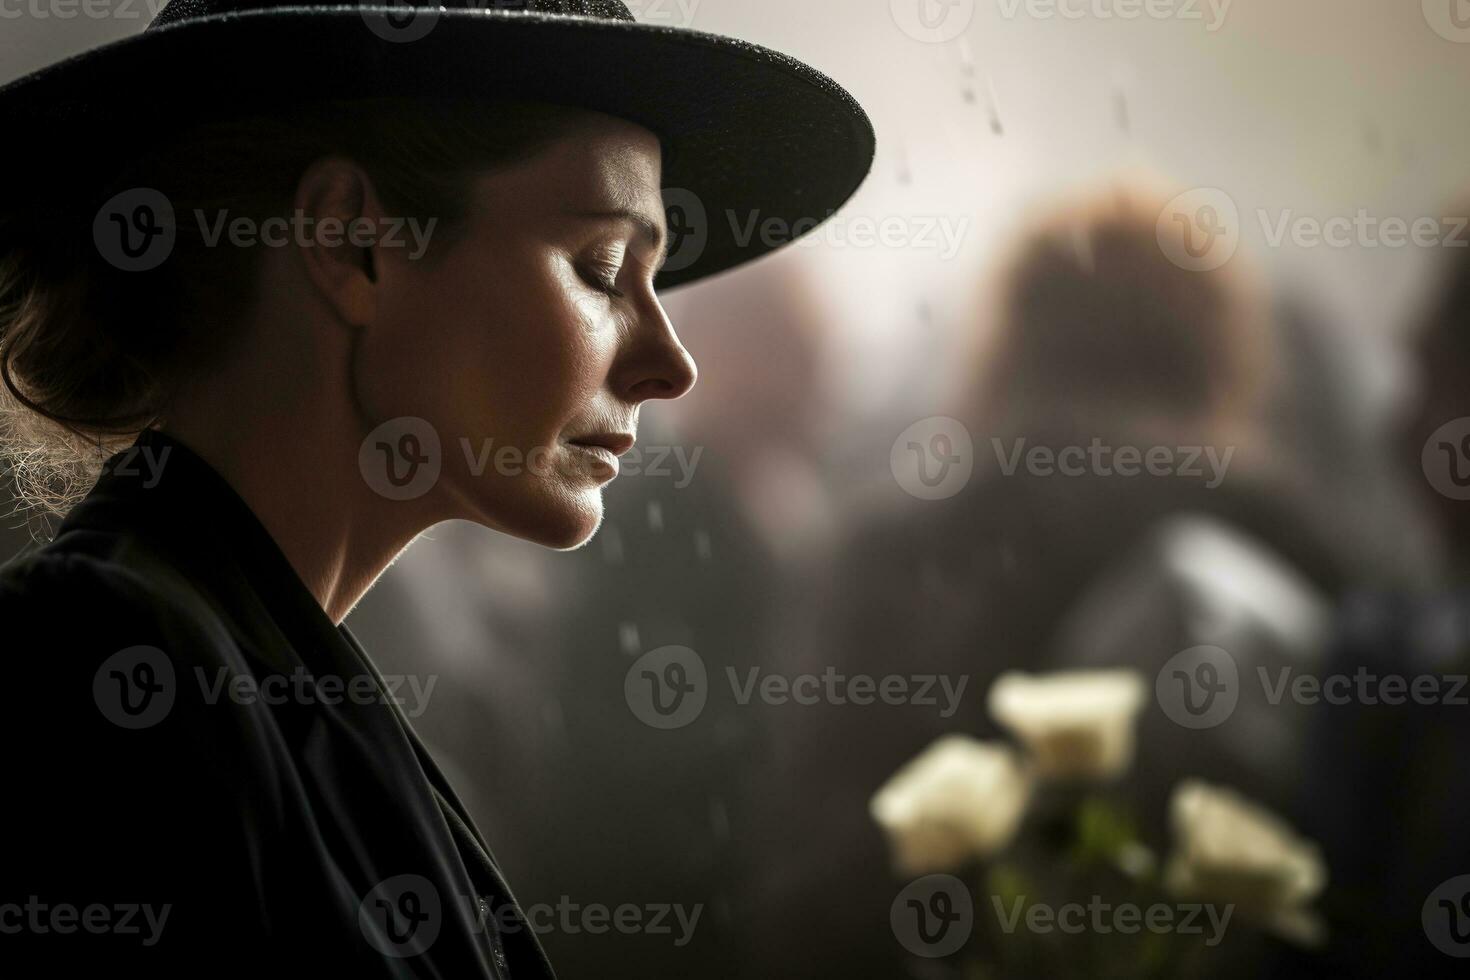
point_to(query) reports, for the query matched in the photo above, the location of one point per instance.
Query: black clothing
(1385, 793)
(193, 739)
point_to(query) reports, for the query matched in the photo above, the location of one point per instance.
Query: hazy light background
(1317, 106)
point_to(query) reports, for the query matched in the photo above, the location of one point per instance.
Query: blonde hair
(1092, 321)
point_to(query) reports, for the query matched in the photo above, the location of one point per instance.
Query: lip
(616, 443)
(603, 449)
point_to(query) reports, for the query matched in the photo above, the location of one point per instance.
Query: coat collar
(162, 492)
(162, 497)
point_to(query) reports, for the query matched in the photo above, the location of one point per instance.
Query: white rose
(1230, 850)
(958, 799)
(1074, 724)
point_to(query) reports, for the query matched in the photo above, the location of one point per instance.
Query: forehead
(612, 156)
(599, 162)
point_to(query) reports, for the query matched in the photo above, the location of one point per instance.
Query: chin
(561, 518)
(569, 524)
(574, 538)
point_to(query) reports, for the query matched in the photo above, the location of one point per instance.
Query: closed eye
(601, 278)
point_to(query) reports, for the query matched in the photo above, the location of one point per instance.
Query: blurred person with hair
(1098, 340)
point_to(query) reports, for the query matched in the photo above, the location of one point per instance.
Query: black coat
(205, 774)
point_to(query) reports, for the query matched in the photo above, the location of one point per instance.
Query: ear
(341, 213)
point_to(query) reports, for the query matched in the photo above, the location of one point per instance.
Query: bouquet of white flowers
(1024, 865)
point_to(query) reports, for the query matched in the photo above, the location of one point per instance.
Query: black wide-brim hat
(748, 134)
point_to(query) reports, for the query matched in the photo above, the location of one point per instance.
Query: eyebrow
(649, 230)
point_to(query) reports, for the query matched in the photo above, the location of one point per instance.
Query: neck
(296, 467)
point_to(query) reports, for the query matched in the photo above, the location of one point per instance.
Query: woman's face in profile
(530, 341)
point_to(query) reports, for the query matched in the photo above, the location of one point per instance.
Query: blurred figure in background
(1385, 789)
(1105, 356)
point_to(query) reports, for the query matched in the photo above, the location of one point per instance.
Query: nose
(653, 363)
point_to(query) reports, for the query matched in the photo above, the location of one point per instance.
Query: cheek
(543, 361)
(548, 358)
(512, 355)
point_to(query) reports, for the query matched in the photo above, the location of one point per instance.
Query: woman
(406, 276)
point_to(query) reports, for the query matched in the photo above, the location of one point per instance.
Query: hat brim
(749, 134)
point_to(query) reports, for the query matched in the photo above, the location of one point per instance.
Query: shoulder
(71, 601)
(122, 777)
(112, 640)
